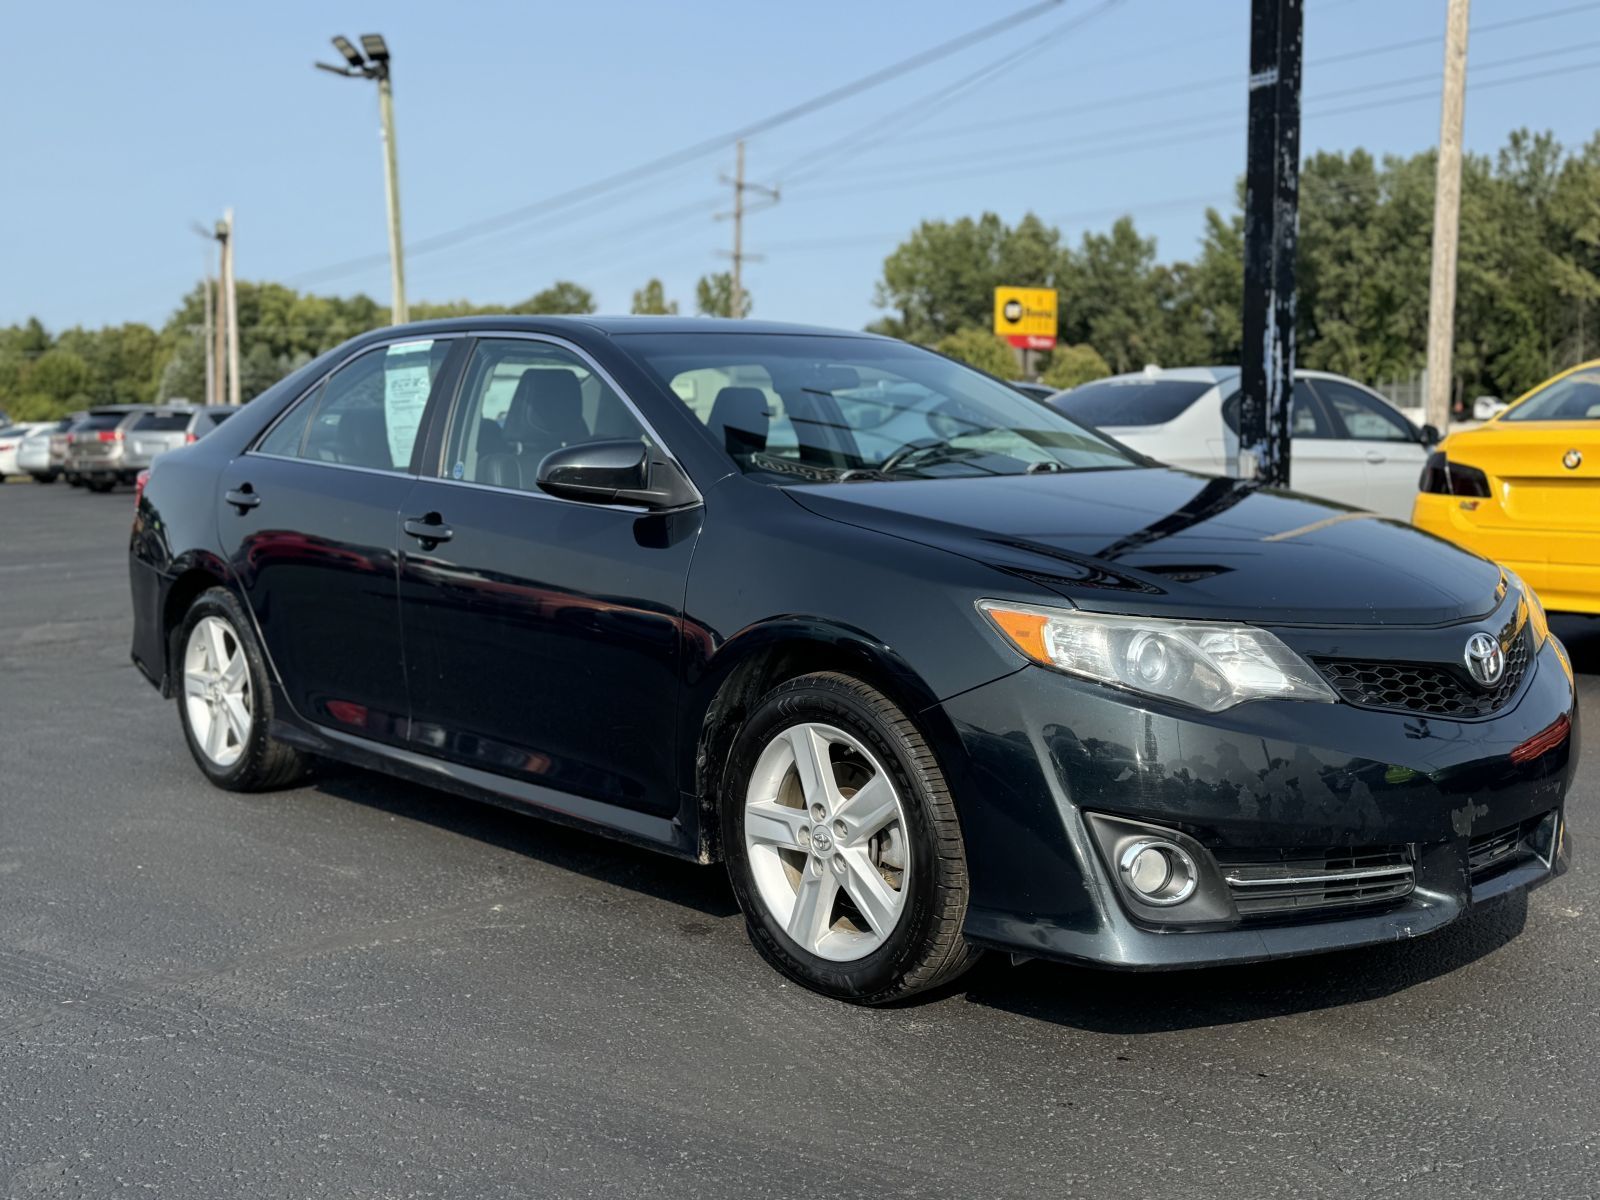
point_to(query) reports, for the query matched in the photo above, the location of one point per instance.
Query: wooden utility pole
(211, 349)
(1446, 219)
(219, 334)
(1271, 216)
(230, 304)
(391, 189)
(739, 257)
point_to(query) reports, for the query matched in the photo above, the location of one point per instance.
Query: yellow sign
(1026, 317)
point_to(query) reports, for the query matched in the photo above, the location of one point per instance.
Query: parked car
(59, 441)
(113, 444)
(1524, 489)
(986, 680)
(206, 419)
(11, 439)
(1348, 443)
(33, 455)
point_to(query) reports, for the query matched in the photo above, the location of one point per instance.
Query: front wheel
(50, 478)
(843, 845)
(224, 702)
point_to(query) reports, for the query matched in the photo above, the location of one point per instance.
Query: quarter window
(367, 413)
(522, 399)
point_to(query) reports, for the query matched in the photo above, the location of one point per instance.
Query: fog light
(1158, 872)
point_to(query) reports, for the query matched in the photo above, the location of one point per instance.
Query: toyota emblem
(1572, 459)
(1486, 662)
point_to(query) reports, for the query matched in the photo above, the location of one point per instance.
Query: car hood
(1165, 542)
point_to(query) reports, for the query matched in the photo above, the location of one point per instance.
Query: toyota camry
(928, 666)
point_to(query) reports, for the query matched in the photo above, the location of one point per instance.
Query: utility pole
(739, 257)
(373, 61)
(211, 349)
(230, 305)
(1271, 216)
(1446, 220)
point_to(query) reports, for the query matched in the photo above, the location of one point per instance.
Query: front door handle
(1375, 458)
(429, 530)
(242, 497)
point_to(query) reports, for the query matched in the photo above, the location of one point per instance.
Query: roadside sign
(1026, 317)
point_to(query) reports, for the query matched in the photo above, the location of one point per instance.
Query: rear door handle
(428, 529)
(242, 497)
(1374, 457)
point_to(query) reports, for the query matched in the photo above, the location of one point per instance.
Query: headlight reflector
(1210, 665)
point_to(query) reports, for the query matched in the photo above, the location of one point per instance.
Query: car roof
(612, 325)
(1217, 374)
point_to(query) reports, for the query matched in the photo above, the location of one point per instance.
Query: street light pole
(372, 61)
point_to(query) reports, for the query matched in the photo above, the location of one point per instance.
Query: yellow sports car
(1524, 490)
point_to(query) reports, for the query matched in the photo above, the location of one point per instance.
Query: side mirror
(615, 472)
(1430, 435)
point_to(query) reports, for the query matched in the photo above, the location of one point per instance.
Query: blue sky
(125, 122)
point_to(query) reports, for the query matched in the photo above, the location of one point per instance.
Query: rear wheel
(843, 845)
(99, 485)
(224, 702)
(49, 478)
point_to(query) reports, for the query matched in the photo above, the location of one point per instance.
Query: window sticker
(406, 380)
(459, 470)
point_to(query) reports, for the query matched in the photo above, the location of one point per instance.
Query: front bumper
(1041, 749)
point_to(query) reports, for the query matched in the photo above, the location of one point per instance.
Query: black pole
(1271, 212)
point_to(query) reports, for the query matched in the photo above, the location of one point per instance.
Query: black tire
(44, 478)
(265, 763)
(926, 948)
(99, 485)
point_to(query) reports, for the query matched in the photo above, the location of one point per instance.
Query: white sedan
(1348, 443)
(11, 439)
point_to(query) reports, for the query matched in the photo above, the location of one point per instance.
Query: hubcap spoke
(233, 674)
(814, 767)
(813, 905)
(216, 639)
(772, 824)
(195, 684)
(870, 810)
(238, 718)
(878, 902)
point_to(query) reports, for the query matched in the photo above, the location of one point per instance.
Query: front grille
(1433, 689)
(1296, 881)
(1490, 853)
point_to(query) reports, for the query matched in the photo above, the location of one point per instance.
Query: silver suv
(111, 445)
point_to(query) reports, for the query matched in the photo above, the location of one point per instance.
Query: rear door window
(1306, 416)
(1136, 401)
(367, 414)
(1364, 418)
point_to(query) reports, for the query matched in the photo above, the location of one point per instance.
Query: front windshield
(1573, 398)
(796, 408)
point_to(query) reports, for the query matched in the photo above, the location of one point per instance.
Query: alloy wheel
(825, 835)
(216, 691)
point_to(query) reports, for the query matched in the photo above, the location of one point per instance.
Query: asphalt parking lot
(363, 988)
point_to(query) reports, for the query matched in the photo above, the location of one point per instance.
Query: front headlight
(1210, 665)
(1537, 620)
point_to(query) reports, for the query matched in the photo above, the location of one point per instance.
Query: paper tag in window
(406, 380)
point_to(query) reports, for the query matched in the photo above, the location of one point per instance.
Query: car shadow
(1128, 1003)
(649, 872)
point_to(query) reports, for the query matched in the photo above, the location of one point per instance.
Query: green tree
(942, 278)
(563, 296)
(713, 296)
(982, 349)
(651, 300)
(1071, 365)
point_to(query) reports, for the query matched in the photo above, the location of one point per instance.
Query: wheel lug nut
(818, 812)
(839, 830)
(838, 865)
(805, 836)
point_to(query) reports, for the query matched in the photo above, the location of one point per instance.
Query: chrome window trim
(441, 476)
(317, 462)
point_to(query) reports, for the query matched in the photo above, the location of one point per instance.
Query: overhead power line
(711, 145)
